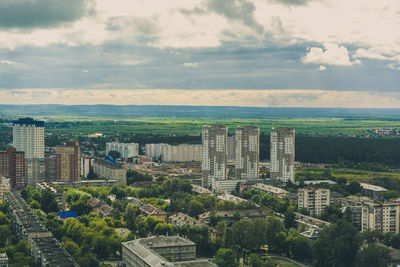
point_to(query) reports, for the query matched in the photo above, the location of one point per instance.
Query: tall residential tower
(28, 136)
(214, 154)
(247, 143)
(68, 162)
(282, 155)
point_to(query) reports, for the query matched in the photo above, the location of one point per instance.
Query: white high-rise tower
(28, 136)
(247, 152)
(214, 154)
(282, 155)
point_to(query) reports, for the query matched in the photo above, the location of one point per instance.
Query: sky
(262, 53)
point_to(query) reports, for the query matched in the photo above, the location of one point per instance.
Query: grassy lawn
(184, 126)
(350, 174)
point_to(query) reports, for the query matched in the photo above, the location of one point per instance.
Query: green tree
(5, 235)
(299, 248)
(225, 258)
(195, 208)
(91, 175)
(290, 219)
(336, 245)
(81, 207)
(373, 255)
(72, 248)
(130, 216)
(48, 201)
(331, 213)
(274, 227)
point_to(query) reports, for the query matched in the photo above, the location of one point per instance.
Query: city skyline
(275, 53)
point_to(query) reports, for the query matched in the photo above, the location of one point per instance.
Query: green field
(182, 126)
(350, 175)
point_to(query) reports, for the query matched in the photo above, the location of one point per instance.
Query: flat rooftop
(373, 187)
(269, 188)
(53, 252)
(165, 241)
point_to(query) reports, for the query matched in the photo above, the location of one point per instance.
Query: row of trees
(339, 245)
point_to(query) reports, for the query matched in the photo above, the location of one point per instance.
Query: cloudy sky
(298, 53)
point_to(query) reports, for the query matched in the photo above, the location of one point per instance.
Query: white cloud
(394, 66)
(9, 62)
(321, 68)
(252, 98)
(332, 54)
(208, 23)
(190, 64)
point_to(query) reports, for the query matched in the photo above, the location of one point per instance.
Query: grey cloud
(142, 25)
(29, 14)
(241, 10)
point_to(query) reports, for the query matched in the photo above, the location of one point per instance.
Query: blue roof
(29, 121)
(68, 214)
(110, 159)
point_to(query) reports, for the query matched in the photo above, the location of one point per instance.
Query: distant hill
(121, 112)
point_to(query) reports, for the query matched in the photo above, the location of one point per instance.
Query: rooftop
(229, 197)
(373, 187)
(3, 257)
(183, 219)
(29, 121)
(165, 241)
(150, 210)
(24, 215)
(269, 188)
(319, 182)
(146, 254)
(108, 164)
(200, 190)
(52, 251)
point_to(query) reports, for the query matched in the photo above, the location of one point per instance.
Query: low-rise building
(180, 219)
(313, 199)
(273, 190)
(110, 171)
(3, 260)
(47, 251)
(380, 216)
(5, 186)
(232, 215)
(372, 191)
(25, 223)
(154, 251)
(354, 205)
(197, 189)
(85, 183)
(149, 210)
(101, 208)
(232, 198)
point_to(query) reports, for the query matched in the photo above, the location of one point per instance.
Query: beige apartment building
(313, 199)
(380, 216)
(110, 171)
(5, 186)
(282, 155)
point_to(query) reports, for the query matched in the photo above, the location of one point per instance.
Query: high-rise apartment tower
(13, 166)
(282, 155)
(247, 143)
(28, 136)
(68, 161)
(214, 154)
